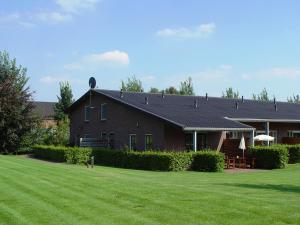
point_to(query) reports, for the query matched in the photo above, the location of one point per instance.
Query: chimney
(275, 107)
(243, 99)
(195, 103)
(146, 101)
(163, 94)
(236, 105)
(206, 97)
(121, 93)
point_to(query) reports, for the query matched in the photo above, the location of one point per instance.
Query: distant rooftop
(44, 109)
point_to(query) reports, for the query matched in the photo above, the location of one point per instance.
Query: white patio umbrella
(263, 137)
(242, 145)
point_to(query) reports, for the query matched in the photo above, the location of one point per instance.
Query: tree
(230, 93)
(186, 87)
(16, 108)
(64, 101)
(294, 99)
(132, 84)
(154, 90)
(263, 96)
(172, 91)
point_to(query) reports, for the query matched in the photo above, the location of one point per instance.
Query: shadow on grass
(275, 187)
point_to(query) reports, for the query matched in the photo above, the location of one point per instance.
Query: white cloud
(273, 73)
(201, 31)
(65, 11)
(64, 78)
(74, 6)
(56, 17)
(94, 60)
(16, 18)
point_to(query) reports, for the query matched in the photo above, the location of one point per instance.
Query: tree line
(186, 87)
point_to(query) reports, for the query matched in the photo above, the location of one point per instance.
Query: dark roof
(44, 109)
(210, 114)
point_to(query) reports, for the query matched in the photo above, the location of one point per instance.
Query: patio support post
(195, 141)
(252, 138)
(268, 131)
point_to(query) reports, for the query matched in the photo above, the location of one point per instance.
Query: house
(145, 121)
(45, 110)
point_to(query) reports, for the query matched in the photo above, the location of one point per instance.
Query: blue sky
(247, 45)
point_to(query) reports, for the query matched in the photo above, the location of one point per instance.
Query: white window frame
(130, 135)
(235, 134)
(291, 133)
(85, 110)
(146, 141)
(101, 111)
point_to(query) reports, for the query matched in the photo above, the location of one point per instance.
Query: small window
(294, 133)
(103, 111)
(148, 142)
(103, 136)
(87, 113)
(132, 142)
(234, 135)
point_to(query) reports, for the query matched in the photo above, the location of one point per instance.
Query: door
(201, 141)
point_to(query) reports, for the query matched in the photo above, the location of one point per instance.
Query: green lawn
(38, 192)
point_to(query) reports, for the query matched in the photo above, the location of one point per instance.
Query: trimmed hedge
(157, 161)
(208, 161)
(270, 157)
(74, 155)
(294, 153)
(160, 161)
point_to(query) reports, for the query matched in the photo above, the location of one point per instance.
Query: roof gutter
(217, 129)
(263, 120)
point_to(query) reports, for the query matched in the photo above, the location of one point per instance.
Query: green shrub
(73, 155)
(269, 157)
(208, 160)
(294, 153)
(76, 155)
(159, 161)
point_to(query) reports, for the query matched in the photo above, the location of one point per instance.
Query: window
(259, 132)
(87, 113)
(103, 111)
(148, 142)
(234, 135)
(189, 141)
(273, 133)
(294, 133)
(103, 136)
(132, 142)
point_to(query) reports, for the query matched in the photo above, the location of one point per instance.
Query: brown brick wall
(121, 120)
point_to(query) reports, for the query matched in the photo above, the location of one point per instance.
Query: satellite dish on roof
(92, 82)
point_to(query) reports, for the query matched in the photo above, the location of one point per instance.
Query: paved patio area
(241, 170)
